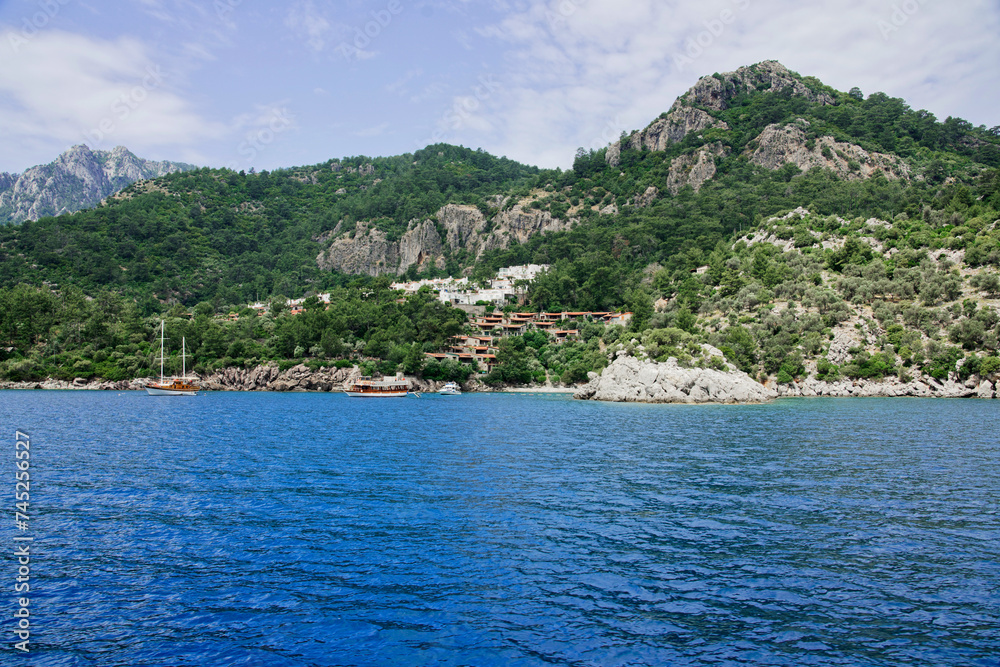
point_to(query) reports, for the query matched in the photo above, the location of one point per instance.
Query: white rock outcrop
(694, 168)
(628, 379)
(778, 145)
(663, 132)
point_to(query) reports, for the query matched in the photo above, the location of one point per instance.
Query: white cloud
(65, 88)
(307, 21)
(578, 69)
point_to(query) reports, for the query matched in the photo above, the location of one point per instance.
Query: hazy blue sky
(244, 83)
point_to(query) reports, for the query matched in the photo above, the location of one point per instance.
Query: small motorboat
(450, 389)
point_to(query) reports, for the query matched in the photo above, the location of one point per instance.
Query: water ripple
(312, 529)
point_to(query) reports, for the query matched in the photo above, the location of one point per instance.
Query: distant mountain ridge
(77, 179)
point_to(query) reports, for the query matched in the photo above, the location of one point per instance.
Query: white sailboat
(172, 386)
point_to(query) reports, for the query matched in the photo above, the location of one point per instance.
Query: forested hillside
(230, 238)
(802, 230)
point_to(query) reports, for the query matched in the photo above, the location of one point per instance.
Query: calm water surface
(505, 529)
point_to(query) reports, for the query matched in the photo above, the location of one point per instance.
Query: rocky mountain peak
(78, 178)
(715, 90)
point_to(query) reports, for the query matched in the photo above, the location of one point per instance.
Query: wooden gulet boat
(172, 386)
(387, 387)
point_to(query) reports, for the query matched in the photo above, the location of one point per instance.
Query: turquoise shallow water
(505, 529)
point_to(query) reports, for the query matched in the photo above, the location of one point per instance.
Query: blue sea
(502, 529)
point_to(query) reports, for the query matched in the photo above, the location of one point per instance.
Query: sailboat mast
(162, 334)
(184, 372)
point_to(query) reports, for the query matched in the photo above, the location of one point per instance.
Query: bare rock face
(694, 168)
(519, 224)
(715, 91)
(77, 179)
(419, 245)
(665, 131)
(628, 379)
(924, 387)
(464, 226)
(367, 251)
(779, 145)
(844, 340)
(646, 198)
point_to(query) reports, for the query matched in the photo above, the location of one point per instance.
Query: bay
(506, 529)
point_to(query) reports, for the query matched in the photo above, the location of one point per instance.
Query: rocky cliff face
(694, 168)
(466, 228)
(779, 145)
(679, 121)
(520, 224)
(79, 178)
(367, 250)
(924, 387)
(269, 378)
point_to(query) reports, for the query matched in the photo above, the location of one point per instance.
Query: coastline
(624, 381)
(269, 378)
(537, 390)
(629, 379)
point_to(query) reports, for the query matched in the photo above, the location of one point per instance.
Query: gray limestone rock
(694, 168)
(368, 251)
(663, 132)
(779, 145)
(628, 379)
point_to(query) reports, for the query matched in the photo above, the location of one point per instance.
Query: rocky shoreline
(924, 387)
(259, 378)
(627, 379)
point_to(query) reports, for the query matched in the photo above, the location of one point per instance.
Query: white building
(523, 272)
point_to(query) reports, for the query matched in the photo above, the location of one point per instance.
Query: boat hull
(157, 391)
(377, 394)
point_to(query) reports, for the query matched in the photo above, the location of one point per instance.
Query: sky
(248, 84)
